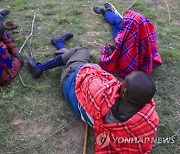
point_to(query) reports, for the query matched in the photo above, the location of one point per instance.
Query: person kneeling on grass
(118, 109)
(135, 46)
(8, 68)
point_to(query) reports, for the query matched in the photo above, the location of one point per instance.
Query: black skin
(126, 107)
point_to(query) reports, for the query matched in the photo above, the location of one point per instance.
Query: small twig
(129, 7)
(30, 46)
(30, 121)
(22, 80)
(154, 10)
(132, 4)
(30, 35)
(178, 113)
(61, 128)
(176, 134)
(26, 54)
(161, 125)
(168, 9)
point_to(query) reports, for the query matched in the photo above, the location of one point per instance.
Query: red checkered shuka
(8, 44)
(136, 47)
(96, 91)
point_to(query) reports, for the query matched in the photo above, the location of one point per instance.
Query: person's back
(8, 68)
(123, 111)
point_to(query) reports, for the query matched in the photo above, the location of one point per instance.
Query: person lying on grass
(135, 46)
(115, 110)
(8, 68)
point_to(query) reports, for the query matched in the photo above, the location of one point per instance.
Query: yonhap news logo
(104, 140)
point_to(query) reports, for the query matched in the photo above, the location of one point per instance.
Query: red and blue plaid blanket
(4, 60)
(136, 47)
(5, 45)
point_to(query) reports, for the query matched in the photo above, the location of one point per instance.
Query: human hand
(109, 48)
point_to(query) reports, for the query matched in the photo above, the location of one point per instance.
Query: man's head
(2, 29)
(137, 88)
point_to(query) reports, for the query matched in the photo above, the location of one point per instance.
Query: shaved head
(140, 88)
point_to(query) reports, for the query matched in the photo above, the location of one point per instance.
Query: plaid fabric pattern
(96, 91)
(9, 44)
(140, 130)
(6, 45)
(136, 47)
(5, 62)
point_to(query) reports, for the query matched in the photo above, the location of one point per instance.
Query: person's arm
(8, 41)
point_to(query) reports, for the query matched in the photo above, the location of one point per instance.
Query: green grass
(30, 116)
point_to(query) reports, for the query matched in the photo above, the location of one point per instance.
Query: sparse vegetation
(31, 117)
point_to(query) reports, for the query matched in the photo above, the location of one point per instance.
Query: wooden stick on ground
(129, 7)
(30, 35)
(85, 140)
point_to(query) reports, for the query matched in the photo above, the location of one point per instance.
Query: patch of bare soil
(1, 101)
(74, 135)
(17, 121)
(32, 133)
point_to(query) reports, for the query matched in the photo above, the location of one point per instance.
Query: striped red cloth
(136, 47)
(6, 46)
(96, 91)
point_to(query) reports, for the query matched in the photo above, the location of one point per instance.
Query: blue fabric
(55, 62)
(4, 60)
(59, 44)
(68, 91)
(115, 22)
(1, 18)
(123, 118)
